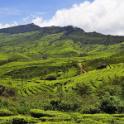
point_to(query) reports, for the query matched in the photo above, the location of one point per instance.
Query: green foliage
(49, 73)
(5, 112)
(84, 89)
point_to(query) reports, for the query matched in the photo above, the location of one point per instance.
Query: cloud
(35, 16)
(39, 21)
(105, 16)
(8, 12)
(8, 25)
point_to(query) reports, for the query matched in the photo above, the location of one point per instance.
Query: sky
(104, 16)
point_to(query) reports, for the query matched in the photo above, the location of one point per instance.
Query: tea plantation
(60, 75)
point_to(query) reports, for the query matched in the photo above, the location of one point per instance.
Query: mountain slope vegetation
(59, 74)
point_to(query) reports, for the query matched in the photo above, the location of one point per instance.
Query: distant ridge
(69, 32)
(20, 29)
(33, 27)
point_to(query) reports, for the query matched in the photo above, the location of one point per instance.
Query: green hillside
(63, 75)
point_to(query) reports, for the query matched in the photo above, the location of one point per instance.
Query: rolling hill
(56, 74)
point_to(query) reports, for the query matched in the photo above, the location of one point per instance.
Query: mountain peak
(20, 29)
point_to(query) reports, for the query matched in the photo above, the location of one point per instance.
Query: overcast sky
(104, 16)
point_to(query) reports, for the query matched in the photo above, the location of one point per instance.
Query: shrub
(23, 120)
(62, 105)
(6, 91)
(38, 113)
(50, 115)
(2, 88)
(92, 111)
(23, 107)
(9, 92)
(101, 65)
(51, 77)
(5, 112)
(19, 121)
(110, 105)
(4, 103)
(83, 89)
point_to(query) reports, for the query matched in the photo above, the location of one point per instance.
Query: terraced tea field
(56, 117)
(61, 75)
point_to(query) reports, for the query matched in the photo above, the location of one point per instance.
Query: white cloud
(39, 21)
(105, 16)
(7, 25)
